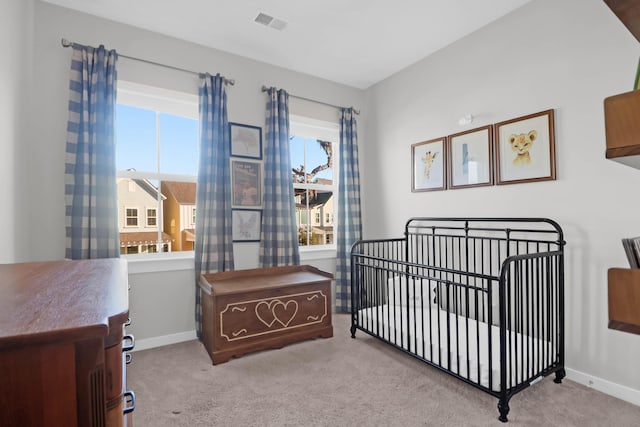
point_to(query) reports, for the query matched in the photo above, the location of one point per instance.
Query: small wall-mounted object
(624, 299)
(465, 120)
(622, 128)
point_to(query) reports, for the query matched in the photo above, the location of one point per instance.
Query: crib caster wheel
(559, 376)
(504, 410)
(353, 331)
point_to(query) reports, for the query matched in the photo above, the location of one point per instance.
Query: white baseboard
(153, 342)
(613, 389)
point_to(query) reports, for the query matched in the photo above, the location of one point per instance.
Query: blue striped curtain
(279, 236)
(349, 218)
(90, 165)
(213, 244)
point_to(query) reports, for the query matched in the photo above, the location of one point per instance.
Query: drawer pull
(131, 345)
(129, 401)
(128, 322)
(127, 358)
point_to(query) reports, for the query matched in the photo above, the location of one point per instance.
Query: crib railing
(531, 303)
(481, 299)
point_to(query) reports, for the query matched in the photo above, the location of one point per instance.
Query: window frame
(148, 217)
(160, 101)
(310, 128)
(127, 216)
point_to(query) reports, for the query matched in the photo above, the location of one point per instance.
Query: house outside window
(132, 217)
(313, 148)
(152, 217)
(157, 141)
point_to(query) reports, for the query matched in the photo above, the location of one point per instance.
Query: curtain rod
(67, 43)
(264, 89)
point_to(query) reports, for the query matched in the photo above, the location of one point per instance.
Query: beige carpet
(342, 382)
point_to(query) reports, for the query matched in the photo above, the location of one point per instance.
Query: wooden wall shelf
(624, 299)
(627, 11)
(622, 128)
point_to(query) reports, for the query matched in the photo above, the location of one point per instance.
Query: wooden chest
(250, 310)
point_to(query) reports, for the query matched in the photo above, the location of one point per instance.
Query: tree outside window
(313, 181)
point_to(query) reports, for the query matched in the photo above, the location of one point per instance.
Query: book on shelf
(632, 250)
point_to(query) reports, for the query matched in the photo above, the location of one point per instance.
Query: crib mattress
(470, 349)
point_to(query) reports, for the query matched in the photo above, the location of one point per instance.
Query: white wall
(161, 307)
(566, 55)
(16, 45)
(156, 309)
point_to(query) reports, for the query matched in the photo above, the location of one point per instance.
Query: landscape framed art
(246, 141)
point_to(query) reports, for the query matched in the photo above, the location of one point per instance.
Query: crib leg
(503, 407)
(353, 330)
(559, 376)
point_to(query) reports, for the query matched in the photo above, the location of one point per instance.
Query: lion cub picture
(521, 144)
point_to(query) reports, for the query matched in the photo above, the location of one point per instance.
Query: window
(152, 217)
(313, 163)
(132, 217)
(156, 158)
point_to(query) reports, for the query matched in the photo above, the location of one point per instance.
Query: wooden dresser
(250, 310)
(61, 343)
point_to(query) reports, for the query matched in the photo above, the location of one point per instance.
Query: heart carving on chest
(276, 311)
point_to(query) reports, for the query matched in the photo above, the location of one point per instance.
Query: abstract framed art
(471, 158)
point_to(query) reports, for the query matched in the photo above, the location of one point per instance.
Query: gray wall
(16, 45)
(246, 101)
(567, 55)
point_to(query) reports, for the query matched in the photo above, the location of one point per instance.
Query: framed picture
(246, 182)
(525, 149)
(246, 141)
(471, 158)
(428, 163)
(246, 225)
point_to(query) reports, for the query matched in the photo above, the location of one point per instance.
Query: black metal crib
(479, 298)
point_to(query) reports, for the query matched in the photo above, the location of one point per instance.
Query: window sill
(176, 261)
(310, 254)
(155, 263)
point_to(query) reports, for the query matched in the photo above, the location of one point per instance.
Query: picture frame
(525, 149)
(246, 225)
(246, 183)
(470, 158)
(428, 165)
(246, 141)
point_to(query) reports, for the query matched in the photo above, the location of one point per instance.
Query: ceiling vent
(270, 21)
(263, 19)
